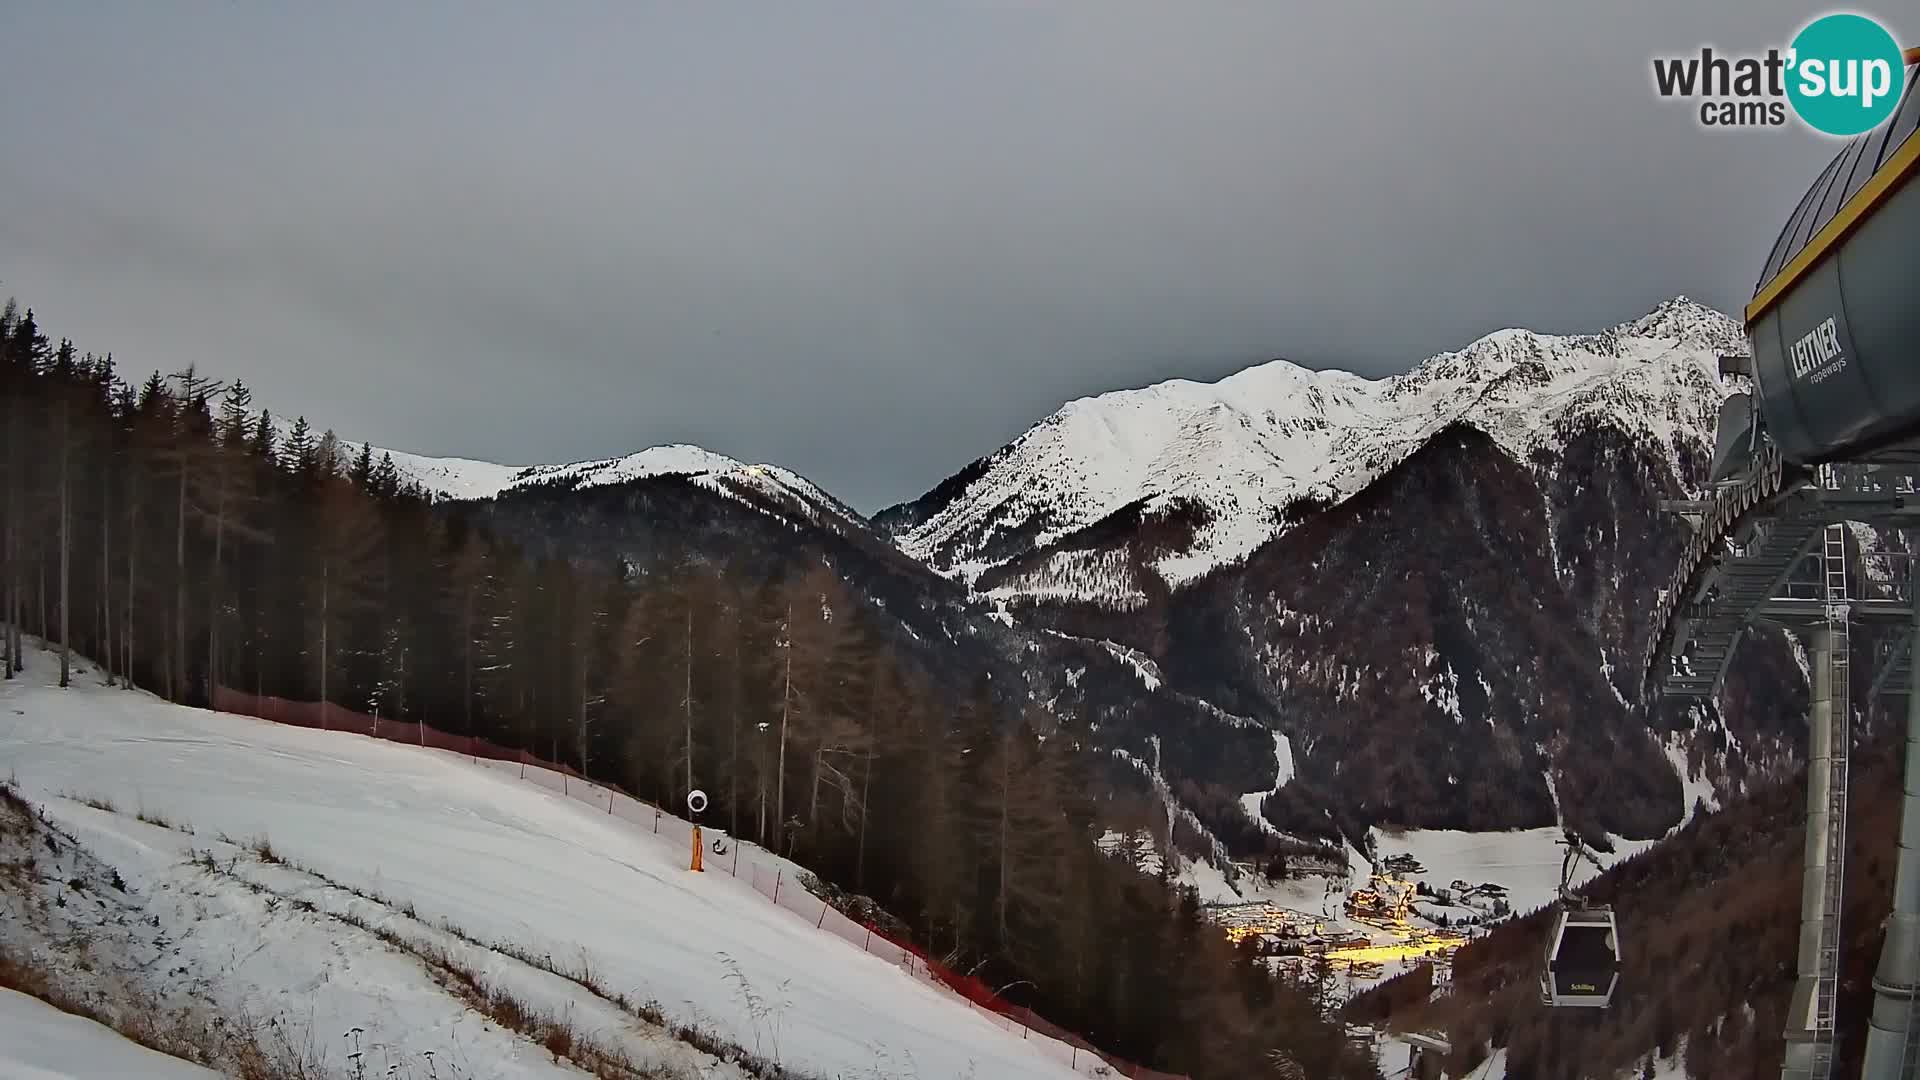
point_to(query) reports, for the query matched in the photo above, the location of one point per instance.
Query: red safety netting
(766, 873)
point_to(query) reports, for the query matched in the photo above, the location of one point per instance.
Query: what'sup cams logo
(1841, 75)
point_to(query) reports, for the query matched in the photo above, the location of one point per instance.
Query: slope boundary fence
(766, 873)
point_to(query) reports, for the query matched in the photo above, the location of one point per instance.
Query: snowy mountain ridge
(1234, 454)
(777, 492)
(462, 478)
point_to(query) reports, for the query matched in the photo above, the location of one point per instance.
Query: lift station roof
(1835, 318)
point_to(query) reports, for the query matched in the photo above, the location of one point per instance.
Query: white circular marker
(697, 801)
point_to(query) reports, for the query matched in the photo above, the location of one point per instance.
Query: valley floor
(1522, 864)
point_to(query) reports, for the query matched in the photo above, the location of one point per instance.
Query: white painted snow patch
(1283, 772)
(1693, 789)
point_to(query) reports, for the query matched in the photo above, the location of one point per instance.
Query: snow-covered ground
(39, 1042)
(1368, 949)
(456, 478)
(454, 856)
(1393, 1054)
(1526, 862)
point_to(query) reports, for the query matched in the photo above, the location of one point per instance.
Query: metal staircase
(1754, 574)
(1893, 665)
(1748, 535)
(1826, 993)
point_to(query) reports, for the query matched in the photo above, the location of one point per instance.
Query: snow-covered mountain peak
(1691, 324)
(457, 478)
(1238, 452)
(767, 486)
(672, 459)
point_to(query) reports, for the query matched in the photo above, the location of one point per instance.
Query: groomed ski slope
(39, 1042)
(499, 859)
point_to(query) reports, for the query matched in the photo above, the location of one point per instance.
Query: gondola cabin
(1583, 959)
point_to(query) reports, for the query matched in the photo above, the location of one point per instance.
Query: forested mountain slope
(1181, 569)
(1709, 928)
(170, 531)
(1432, 584)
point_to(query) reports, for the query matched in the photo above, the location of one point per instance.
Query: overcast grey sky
(870, 241)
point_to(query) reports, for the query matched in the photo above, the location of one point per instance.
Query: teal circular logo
(1845, 74)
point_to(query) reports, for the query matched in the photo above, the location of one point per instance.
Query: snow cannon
(1835, 317)
(696, 805)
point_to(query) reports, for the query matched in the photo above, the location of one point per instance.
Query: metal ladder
(1826, 993)
(1910, 1054)
(1910, 1051)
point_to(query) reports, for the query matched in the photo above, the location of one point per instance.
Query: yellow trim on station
(1877, 190)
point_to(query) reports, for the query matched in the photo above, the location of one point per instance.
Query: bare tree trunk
(466, 628)
(12, 610)
(213, 584)
(6, 577)
(786, 709)
(585, 651)
(17, 598)
(16, 581)
(262, 636)
(15, 630)
(860, 852)
(7, 618)
(133, 546)
(106, 569)
(177, 655)
(733, 744)
(66, 546)
(1006, 798)
(813, 803)
(400, 695)
(762, 825)
(8, 602)
(324, 568)
(686, 702)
